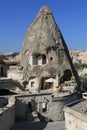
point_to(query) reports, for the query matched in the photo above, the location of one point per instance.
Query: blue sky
(17, 15)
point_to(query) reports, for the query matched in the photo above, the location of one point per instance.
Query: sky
(17, 15)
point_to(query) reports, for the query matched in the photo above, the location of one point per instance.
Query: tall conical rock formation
(42, 33)
(44, 39)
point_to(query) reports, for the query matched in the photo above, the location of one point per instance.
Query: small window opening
(44, 107)
(51, 58)
(43, 59)
(32, 84)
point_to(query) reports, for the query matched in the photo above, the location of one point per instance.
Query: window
(32, 84)
(44, 107)
(38, 59)
(43, 59)
(51, 58)
(35, 59)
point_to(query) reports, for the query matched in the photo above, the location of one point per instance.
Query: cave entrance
(46, 85)
(67, 75)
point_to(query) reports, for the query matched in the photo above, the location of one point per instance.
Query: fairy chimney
(45, 55)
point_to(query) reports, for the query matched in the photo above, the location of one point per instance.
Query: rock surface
(44, 38)
(79, 56)
(81, 107)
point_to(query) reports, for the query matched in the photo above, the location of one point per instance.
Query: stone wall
(3, 70)
(15, 73)
(75, 120)
(21, 110)
(33, 84)
(9, 84)
(7, 115)
(22, 102)
(54, 108)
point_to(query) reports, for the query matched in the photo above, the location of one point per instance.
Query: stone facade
(45, 55)
(76, 115)
(47, 106)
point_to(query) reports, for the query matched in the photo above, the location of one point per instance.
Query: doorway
(46, 85)
(1, 71)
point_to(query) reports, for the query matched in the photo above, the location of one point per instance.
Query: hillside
(79, 56)
(79, 59)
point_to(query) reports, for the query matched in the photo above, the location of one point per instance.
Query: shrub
(80, 66)
(84, 82)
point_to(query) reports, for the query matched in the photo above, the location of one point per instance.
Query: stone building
(45, 55)
(10, 73)
(7, 61)
(76, 115)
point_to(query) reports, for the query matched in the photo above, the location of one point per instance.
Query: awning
(51, 80)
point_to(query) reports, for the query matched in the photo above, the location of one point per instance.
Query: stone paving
(40, 126)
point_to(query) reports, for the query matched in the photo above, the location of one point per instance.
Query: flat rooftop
(80, 106)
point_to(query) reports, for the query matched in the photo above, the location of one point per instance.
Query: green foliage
(84, 82)
(83, 79)
(80, 66)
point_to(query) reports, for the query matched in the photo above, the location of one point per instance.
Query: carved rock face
(45, 53)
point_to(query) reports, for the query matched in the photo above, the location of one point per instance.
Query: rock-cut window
(38, 59)
(32, 84)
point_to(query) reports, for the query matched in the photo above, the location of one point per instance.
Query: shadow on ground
(42, 124)
(31, 126)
